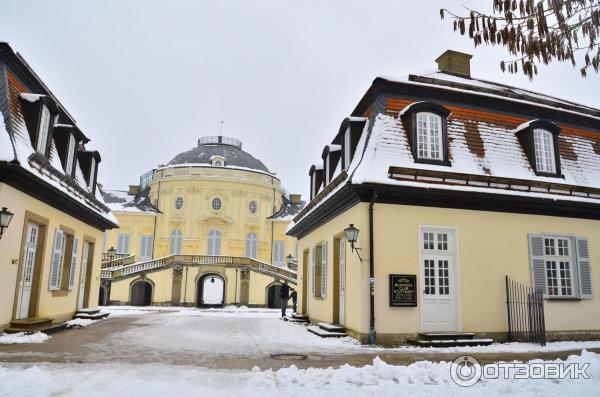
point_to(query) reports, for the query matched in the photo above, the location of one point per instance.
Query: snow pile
(378, 379)
(22, 337)
(81, 322)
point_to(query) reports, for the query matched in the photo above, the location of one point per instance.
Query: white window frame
(558, 256)
(251, 245)
(44, 128)
(213, 242)
(175, 240)
(279, 253)
(123, 240)
(146, 243)
(92, 174)
(545, 159)
(426, 136)
(347, 149)
(70, 155)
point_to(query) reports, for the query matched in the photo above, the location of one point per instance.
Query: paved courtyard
(232, 349)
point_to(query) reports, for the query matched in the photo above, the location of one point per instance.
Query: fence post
(508, 308)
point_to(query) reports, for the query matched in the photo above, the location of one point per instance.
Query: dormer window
(348, 137)
(426, 125)
(429, 136)
(217, 161)
(88, 161)
(92, 178)
(539, 139)
(544, 151)
(316, 180)
(44, 127)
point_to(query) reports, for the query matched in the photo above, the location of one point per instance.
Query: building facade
(454, 184)
(50, 253)
(216, 201)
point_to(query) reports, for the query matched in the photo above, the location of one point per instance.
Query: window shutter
(54, 277)
(324, 271)
(313, 270)
(73, 264)
(584, 267)
(538, 267)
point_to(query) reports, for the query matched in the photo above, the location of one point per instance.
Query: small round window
(179, 203)
(252, 207)
(216, 204)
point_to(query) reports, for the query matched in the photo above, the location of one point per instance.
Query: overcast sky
(145, 79)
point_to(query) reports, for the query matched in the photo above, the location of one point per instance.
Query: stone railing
(129, 270)
(117, 261)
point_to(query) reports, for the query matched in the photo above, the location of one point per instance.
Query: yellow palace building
(208, 228)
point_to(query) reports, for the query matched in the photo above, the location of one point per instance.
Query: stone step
(31, 322)
(300, 316)
(295, 320)
(450, 342)
(332, 327)
(47, 329)
(323, 333)
(88, 311)
(94, 316)
(445, 335)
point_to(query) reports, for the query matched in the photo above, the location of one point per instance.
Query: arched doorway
(273, 300)
(211, 290)
(141, 293)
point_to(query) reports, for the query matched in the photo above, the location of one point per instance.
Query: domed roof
(211, 147)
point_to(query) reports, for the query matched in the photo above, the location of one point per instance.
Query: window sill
(59, 293)
(549, 175)
(562, 298)
(434, 162)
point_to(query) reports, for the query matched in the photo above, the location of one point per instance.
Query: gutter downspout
(372, 333)
(154, 229)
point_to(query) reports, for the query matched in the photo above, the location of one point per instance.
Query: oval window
(179, 203)
(252, 207)
(216, 204)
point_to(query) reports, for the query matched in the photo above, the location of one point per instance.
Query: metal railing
(127, 270)
(525, 307)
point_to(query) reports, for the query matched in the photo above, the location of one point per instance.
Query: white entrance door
(29, 250)
(83, 274)
(342, 282)
(438, 281)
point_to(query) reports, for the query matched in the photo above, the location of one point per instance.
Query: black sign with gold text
(403, 290)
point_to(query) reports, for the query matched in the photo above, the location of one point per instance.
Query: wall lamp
(5, 218)
(112, 252)
(352, 236)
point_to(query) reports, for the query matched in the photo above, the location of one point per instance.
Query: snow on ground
(22, 337)
(378, 379)
(81, 322)
(265, 323)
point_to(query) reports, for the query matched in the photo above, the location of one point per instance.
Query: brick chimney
(295, 198)
(455, 62)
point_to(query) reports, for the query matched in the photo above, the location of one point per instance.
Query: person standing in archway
(284, 294)
(294, 296)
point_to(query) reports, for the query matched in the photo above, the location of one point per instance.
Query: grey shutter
(584, 267)
(538, 266)
(324, 270)
(73, 264)
(54, 277)
(313, 269)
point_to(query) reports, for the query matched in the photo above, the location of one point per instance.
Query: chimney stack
(455, 62)
(295, 198)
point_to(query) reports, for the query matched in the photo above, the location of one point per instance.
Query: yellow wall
(163, 281)
(490, 246)
(59, 308)
(198, 186)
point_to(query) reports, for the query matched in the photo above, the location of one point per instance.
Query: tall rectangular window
(544, 151)
(123, 243)
(429, 136)
(92, 174)
(278, 252)
(146, 248)
(43, 130)
(558, 266)
(70, 155)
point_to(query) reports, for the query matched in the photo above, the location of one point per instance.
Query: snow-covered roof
(122, 201)
(482, 146)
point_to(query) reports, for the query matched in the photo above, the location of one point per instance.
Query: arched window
(214, 243)
(251, 244)
(175, 243)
